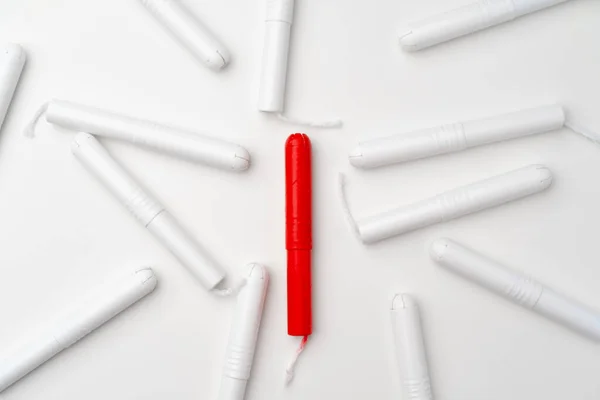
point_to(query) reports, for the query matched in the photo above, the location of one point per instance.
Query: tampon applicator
(176, 142)
(298, 211)
(148, 211)
(410, 349)
(89, 313)
(516, 287)
(456, 137)
(12, 60)
(244, 333)
(189, 32)
(271, 97)
(467, 19)
(449, 205)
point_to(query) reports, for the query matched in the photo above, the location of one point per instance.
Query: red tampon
(298, 209)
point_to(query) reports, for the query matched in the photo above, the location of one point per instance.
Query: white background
(60, 232)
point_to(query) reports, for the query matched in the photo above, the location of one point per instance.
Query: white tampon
(410, 349)
(271, 97)
(467, 19)
(88, 314)
(452, 204)
(278, 26)
(12, 60)
(517, 287)
(244, 333)
(146, 209)
(190, 32)
(456, 137)
(151, 135)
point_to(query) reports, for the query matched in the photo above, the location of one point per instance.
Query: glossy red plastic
(298, 209)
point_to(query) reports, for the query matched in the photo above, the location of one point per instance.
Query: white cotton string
(232, 291)
(289, 371)
(29, 130)
(589, 134)
(345, 206)
(336, 123)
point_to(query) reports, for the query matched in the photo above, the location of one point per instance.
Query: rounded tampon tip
(297, 139)
(79, 139)
(544, 175)
(438, 249)
(241, 160)
(257, 271)
(402, 301)
(408, 40)
(14, 49)
(147, 277)
(218, 60)
(356, 157)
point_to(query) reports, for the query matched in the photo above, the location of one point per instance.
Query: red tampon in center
(298, 209)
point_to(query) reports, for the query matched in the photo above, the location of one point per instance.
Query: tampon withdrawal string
(289, 371)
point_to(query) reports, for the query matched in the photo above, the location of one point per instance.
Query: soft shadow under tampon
(454, 203)
(244, 332)
(456, 137)
(189, 31)
(151, 135)
(410, 349)
(146, 209)
(87, 314)
(517, 287)
(12, 60)
(467, 19)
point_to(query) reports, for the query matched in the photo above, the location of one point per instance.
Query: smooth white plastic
(12, 60)
(278, 26)
(410, 348)
(517, 287)
(456, 137)
(467, 19)
(456, 203)
(189, 32)
(164, 139)
(244, 334)
(146, 209)
(87, 314)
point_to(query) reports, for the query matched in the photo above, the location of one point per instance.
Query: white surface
(59, 229)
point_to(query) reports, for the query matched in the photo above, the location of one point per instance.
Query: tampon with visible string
(189, 32)
(12, 60)
(273, 79)
(517, 287)
(244, 334)
(467, 19)
(146, 209)
(452, 204)
(410, 349)
(456, 137)
(86, 315)
(151, 135)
